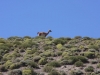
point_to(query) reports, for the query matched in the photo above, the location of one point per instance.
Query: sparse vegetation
(51, 56)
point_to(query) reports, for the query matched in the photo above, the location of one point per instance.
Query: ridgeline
(49, 56)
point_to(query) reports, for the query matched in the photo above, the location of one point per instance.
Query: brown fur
(43, 33)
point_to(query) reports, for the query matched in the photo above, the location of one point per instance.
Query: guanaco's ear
(37, 32)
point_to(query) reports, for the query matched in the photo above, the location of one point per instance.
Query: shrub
(28, 71)
(47, 47)
(54, 64)
(59, 46)
(4, 47)
(66, 62)
(50, 38)
(82, 58)
(42, 61)
(47, 68)
(59, 53)
(27, 37)
(14, 66)
(89, 69)
(7, 64)
(78, 63)
(78, 72)
(29, 63)
(96, 47)
(53, 72)
(94, 61)
(29, 51)
(59, 41)
(86, 38)
(64, 54)
(75, 50)
(2, 40)
(15, 72)
(76, 58)
(28, 43)
(36, 58)
(47, 53)
(91, 50)
(77, 37)
(17, 43)
(7, 56)
(89, 54)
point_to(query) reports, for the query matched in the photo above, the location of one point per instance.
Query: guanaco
(43, 33)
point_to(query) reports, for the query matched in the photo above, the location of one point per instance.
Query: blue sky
(66, 18)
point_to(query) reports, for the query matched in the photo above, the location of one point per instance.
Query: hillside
(49, 56)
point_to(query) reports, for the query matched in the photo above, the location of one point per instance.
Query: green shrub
(53, 72)
(64, 54)
(47, 68)
(36, 58)
(17, 43)
(59, 53)
(89, 69)
(27, 37)
(82, 58)
(75, 58)
(78, 37)
(42, 61)
(96, 47)
(59, 41)
(86, 38)
(89, 54)
(50, 38)
(28, 71)
(39, 37)
(91, 50)
(15, 72)
(78, 63)
(47, 47)
(29, 63)
(29, 51)
(8, 64)
(28, 44)
(7, 56)
(66, 62)
(59, 46)
(15, 54)
(54, 64)
(78, 72)
(75, 50)
(2, 40)
(94, 62)
(14, 66)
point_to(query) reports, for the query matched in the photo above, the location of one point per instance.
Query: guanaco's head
(50, 31)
